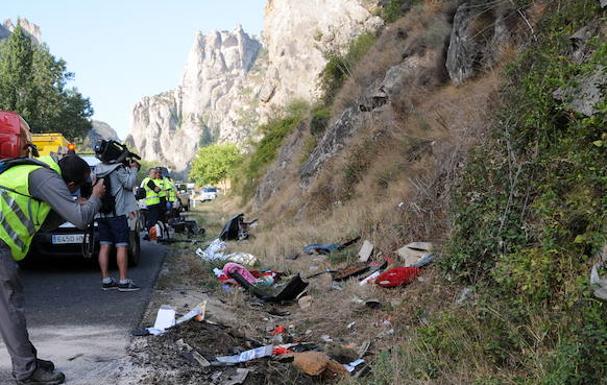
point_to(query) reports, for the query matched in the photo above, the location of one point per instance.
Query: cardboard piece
(414, 251)
(365, 251)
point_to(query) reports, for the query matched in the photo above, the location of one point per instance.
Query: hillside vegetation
(502, 172)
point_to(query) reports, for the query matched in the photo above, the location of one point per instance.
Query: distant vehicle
(184, 195)
(69, 241)
(208, 194)
(52, 144)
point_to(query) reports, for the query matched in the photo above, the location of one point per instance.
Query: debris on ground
(365, 251)
(236, 229)
(328, 248)
(416, 254)
(397, 276)
(214, 252)
(319, 364)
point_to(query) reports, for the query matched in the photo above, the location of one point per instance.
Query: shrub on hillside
(339, 67)
(264, 152)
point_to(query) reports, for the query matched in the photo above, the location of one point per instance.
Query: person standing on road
(152, 200)
(113, 222)
(35, 197)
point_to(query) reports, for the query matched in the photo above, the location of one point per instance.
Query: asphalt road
(76, 324)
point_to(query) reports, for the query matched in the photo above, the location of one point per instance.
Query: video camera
(113, 152)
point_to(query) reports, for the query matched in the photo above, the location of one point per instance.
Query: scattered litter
(305, 302)
(264, 351)
(365, 251)
(214, 252)
(238, 378)
(165, 318)
(287, 292)
(278, 313)
(318, 363)
(416, 254)
(397, 276)
(351, 325)
(370, 279)
(351, 367)
(352, 270)
(236, 229)
(328, 248)
(279, 329)
(232, 267)
(200, 359)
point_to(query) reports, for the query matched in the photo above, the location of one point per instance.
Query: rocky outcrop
(588, 92)
(478, 35)
(101, 130)
(298, 35)
(207, 106)
(230, 84)
(31, 29)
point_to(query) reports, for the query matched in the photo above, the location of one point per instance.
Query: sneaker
(128, 286)
(46, 365)
(109, 286)
(43, 377)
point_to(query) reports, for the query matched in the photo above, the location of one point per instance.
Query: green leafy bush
(340, 67)
(264, 152)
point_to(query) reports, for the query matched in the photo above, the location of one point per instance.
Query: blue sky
(123, 50)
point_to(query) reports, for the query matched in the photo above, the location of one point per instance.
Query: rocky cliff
(32, 30)
(101, 130)
(232, 81)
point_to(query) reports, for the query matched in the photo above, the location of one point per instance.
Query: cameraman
(113, 223)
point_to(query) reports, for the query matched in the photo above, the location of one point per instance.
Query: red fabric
(397, 276)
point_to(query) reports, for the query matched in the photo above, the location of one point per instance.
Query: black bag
(108, 201)
(140, 193)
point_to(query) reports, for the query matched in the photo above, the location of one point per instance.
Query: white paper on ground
(200, 309)
(264, 351)
(165, 318)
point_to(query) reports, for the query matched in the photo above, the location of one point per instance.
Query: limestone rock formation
(170, 126)
(230, 84)
(31, 29)
(101, 130)
(298, 35)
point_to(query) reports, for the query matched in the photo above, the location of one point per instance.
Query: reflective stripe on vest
(151, 196)
(21, 216)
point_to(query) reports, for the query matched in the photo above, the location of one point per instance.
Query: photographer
(121, 179)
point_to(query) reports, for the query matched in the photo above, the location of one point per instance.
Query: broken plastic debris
(365, 251)
(414, 252)
(264, 351)
(352, 365)
(370, 279)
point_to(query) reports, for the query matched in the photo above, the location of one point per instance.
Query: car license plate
(62, 239)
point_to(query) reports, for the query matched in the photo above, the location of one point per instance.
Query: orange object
(278, 330)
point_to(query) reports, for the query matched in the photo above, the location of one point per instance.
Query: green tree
(33, 83)
(215, 163)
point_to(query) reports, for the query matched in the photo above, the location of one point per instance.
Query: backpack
(108, 201)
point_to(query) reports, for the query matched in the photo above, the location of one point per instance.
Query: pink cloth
(232, 267)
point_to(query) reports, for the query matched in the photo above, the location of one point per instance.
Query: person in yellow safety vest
(162, 194)
(35, 196)
(152, 198)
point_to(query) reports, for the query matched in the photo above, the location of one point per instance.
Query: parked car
(69, 241)
(208, 194)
